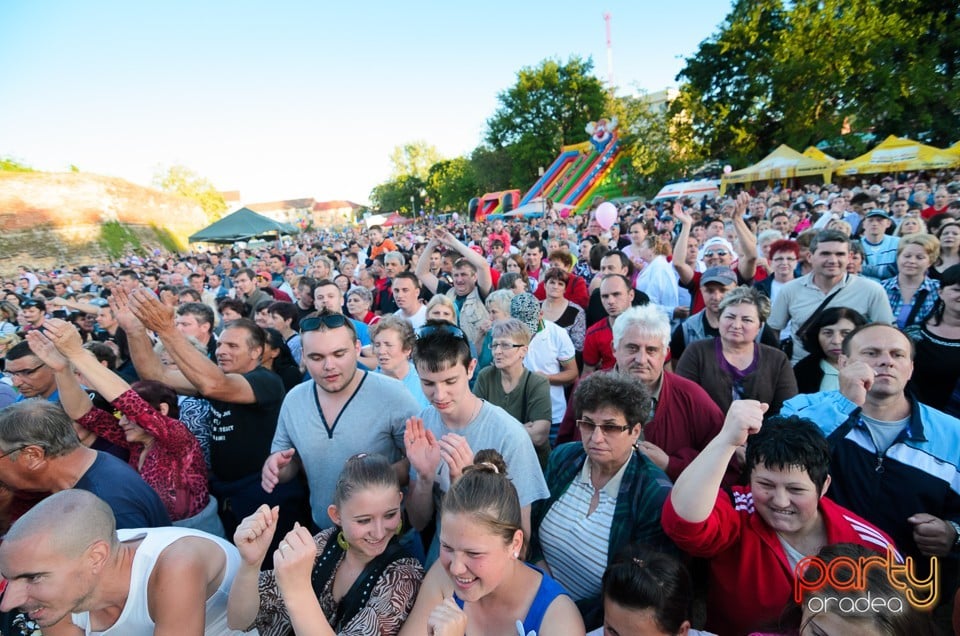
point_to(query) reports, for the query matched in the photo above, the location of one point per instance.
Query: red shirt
(598, 346)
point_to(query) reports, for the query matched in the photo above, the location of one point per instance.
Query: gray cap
(722, 275)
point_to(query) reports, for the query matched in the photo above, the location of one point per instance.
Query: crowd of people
(497, 426)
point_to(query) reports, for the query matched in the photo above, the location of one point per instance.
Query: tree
(549, 106)
(413, 160)
(181, 180)
(653, 148)
(492, 168)
(396, 195)
(798, 72)
(451, 184)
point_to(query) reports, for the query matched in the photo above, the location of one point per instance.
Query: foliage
(187, 183)
(451, 184)
(168, 240)
(413, 159)
(116, 238)
(653, 153)
(395, 195)
(548, 107)
(492, 168)
(800, 72)
(9, 164)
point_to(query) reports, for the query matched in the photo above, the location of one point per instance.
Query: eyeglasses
(11, 452)
(716, 253)
(25, 372)
(494, 346)
(429, 330)
(784, 259)
(330, 321)
(587, 428)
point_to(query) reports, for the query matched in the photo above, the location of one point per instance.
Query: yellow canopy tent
(815, 153)
(899, 154)
(782, 163)
(955, 148)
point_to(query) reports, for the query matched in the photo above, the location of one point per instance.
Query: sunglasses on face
(715, 253)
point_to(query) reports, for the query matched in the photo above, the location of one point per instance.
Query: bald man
(72, 572)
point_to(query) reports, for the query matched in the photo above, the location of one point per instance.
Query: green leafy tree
(181, 180)
(395, 195)
(492, 168)
(9, 164)
(801, 72)
(548, 107)
(653, 148)
(451, 184)
(413, 159)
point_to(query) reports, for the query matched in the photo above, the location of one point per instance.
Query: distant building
(327, 213)
(292, 211)
(659, 101)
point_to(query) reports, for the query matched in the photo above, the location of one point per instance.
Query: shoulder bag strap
(809, 321)
(918, 299)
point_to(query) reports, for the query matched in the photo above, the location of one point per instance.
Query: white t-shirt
(417, 320)
(549, 347)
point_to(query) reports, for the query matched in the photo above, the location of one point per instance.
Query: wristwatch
(956, 528)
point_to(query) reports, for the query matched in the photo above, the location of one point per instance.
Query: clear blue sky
(287, 99)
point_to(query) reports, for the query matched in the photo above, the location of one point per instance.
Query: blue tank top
(549, 590)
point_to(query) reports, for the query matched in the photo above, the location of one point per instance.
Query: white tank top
(135, 619)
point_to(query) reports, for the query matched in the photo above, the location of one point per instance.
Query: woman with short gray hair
(359, 303)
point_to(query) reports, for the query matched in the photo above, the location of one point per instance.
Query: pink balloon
(606, 215)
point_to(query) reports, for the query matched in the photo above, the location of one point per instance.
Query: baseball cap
(722, 275)
(878, 212)
(718, 241)
(819, 202)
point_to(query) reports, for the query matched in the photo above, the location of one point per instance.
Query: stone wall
(53, 219)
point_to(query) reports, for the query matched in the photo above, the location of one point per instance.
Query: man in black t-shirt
(244, 401)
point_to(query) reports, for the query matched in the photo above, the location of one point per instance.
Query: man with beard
(338, 413)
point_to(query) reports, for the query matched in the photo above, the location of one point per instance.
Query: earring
(399, 529)
(516, 555)
(342, 542)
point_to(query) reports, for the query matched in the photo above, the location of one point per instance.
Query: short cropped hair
(200, 311)
(440, 345)
(37, 422)
(648, 318)
(785, 442)
(617, 391)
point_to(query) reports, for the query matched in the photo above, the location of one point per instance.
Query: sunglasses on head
(428, 330)
(329, 321)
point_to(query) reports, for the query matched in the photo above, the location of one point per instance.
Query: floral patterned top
(390, 601)
(174, 466)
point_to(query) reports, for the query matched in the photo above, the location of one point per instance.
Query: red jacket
(751, 581)
(576, 291)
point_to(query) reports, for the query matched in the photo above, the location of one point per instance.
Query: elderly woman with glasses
(508, 384)
(734, 366)
(604, 495)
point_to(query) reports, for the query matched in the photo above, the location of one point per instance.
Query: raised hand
(856, 379)
(293, 561)
(422, 448)
(744, 418)
(447, 619)
(456, 451)
(120, 304)
(43, 348)
(64, 336)
(254, 534)
(150, 311)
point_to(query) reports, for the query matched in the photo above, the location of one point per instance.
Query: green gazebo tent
(242, 225)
